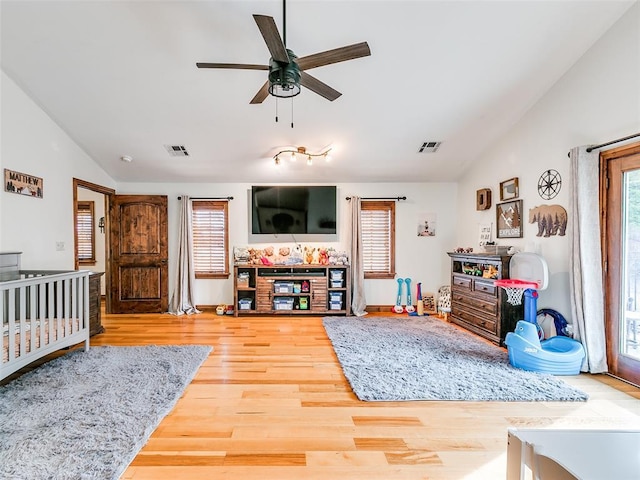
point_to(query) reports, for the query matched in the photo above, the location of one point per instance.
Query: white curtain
(585, 261)
(182, 297)
(358, 302)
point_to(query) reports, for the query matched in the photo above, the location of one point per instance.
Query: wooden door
(139, 238)
(621, 237)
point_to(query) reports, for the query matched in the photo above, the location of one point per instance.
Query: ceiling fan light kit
(284, 78)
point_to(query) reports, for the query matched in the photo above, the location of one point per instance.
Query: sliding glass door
(621, 182)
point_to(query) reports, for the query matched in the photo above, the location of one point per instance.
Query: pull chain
(291, 112)
(276, 109)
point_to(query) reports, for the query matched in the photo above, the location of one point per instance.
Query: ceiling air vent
(177, 150)
(429, 147)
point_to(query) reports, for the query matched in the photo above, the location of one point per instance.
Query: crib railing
(42, 311)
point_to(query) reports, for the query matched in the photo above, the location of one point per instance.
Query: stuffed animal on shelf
(255, 256)
(308, 254)
(283, 255)
(323, 256)
(270, 255)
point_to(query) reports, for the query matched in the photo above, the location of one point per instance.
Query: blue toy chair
(558, 355)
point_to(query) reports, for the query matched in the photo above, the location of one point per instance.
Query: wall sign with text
(22, 183)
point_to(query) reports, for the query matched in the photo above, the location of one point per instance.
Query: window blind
(210, 232)
(377, 230)
(85, 232)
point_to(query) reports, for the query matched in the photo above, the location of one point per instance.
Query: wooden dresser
(95, 317)
(476, 303)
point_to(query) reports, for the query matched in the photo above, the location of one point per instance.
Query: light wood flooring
(271, 402)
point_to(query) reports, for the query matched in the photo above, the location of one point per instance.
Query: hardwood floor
(271, 402)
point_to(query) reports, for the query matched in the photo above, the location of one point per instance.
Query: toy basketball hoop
(515, 288)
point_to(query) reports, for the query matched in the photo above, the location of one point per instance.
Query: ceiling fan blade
(269, 31)
(315, 85)
(336, 55)
(261, 95)
(238, 66)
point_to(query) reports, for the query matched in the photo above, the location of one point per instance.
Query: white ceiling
(120, 78)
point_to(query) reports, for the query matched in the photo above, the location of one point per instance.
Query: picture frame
(509, 189)
(509, 219)
(23, 184)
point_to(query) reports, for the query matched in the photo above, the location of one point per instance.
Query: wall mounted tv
(293, 213)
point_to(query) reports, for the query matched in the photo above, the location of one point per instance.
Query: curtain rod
(208, 198)
(380, 198)
(613, 141)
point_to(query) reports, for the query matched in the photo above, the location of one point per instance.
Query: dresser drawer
(485, 287)
(484, 322)
(461, 282)
(488, 306)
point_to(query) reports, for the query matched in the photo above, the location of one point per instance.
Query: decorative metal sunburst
(549, 184)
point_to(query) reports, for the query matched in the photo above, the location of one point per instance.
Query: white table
(568, 454)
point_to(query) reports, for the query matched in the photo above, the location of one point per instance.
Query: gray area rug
(85, 415)
(423, 358)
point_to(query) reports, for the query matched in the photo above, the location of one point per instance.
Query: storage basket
(283, 303)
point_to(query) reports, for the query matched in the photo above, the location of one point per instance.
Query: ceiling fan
(286, 71)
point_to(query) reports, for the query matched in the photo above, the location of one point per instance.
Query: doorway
(99, 199)
(620, 184)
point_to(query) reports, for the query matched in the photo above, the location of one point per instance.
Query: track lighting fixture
(302, 152)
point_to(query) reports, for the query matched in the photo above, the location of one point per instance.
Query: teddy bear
(283, 255)
(269, 254)
(323, 256)
(255, 254)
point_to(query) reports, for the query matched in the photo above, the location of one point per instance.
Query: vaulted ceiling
(120, 78)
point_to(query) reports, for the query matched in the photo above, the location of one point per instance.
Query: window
(209, 221)
(377, 220)
(86, 234)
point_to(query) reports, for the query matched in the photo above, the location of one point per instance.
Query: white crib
(42, 311)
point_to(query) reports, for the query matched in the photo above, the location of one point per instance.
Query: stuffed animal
(308, 254)
(296, 257)
(270, 255)
(283, 255)
(255, 256)
(323, 256)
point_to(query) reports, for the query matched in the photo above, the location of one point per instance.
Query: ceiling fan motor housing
(284, 78)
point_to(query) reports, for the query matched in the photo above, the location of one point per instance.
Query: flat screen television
(293, 213)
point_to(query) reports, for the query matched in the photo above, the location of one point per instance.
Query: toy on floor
(444, 300)
(558, 355)
(409, 308)
(398, 306)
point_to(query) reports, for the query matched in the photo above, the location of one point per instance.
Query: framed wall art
(509, 219)
(509, 189)
(22, 183)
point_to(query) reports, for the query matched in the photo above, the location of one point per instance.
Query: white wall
(598, 100)
(33, 144)
(423, 259)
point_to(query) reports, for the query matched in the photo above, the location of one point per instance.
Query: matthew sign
(16, 182)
